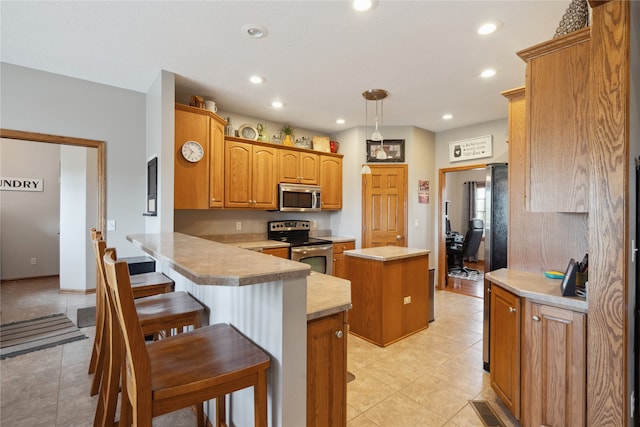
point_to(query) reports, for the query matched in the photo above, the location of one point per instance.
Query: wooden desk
(389, 292)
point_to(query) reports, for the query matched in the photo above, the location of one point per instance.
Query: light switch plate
(111, 225)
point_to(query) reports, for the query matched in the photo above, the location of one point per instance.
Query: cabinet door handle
(535, 318)
(512, 309)
(339, 334)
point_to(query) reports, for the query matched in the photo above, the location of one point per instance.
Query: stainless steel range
(318, 253)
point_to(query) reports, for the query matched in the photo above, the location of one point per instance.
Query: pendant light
(378, 96)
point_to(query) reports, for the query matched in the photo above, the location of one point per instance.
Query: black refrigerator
(495, 238)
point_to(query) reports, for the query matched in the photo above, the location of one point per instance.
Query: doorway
(442, 247)
(100, 179)
(384, 210)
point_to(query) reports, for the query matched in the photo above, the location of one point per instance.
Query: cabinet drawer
(279, 252)
(338, 248)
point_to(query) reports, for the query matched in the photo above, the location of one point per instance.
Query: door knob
(339, 334)
(512, 310)
(536, 318)
(398, 237)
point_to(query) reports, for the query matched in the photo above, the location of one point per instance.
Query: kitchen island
(262, 296)
(389, 291)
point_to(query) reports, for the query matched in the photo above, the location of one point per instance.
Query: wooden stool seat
(167, 311)
(226, 361)
(147, 284)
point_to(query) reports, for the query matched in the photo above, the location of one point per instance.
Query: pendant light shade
(377, 96)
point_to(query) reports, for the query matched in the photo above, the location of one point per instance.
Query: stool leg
(221, 411)
(260, 400)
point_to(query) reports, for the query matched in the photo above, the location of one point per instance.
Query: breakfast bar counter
(262, 296)
(389, 291)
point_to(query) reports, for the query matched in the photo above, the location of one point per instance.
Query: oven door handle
(310, 249)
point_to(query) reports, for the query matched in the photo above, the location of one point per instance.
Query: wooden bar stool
(182, 370)
(144, 285)
(158, 316)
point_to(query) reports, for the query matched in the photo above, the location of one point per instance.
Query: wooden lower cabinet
(504, 348)
(538, 360)
(339, 262)
(327, 371)
(554, 369)
(279, 252)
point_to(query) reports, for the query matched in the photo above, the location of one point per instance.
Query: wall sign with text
(472, 148)
(21, 184)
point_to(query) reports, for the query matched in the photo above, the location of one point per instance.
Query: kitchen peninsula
(264, 297)
(390, 292)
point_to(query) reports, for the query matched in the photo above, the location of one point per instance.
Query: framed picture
(393, 148)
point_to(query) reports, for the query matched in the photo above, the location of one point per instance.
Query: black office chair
(468, 248)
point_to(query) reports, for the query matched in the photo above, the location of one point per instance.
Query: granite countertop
(535, 286)
(326, 295)
(386, 253)
(210, 263)
(260, 244)
(338, 239)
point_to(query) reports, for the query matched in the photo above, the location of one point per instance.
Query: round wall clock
(248, 132)
(192, 151)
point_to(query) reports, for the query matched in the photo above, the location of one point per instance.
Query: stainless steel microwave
(298, 198)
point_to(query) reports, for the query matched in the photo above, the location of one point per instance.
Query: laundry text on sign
(21, 184)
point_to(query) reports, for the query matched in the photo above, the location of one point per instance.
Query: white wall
(37, 101)
(78, 209)
(500, 149)
(419, 155)
(160, 102)
(29, 221)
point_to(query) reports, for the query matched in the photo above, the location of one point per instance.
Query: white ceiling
(318, 58)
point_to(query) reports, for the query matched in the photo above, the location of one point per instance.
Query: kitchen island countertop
(386, 253)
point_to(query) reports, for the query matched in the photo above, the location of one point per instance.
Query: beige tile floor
(424, 380)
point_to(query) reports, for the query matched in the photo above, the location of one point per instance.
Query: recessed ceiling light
(255, 31)
(489, 72)
(447, 116)
(364, 5)
(256, 79)
(340, 121)
(489, 27)
(277, 104)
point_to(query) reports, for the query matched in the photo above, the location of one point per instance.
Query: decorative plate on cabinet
(247, 132)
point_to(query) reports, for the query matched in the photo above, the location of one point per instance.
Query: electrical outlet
(417, 223)
(34, 261)
(314, 224)
(111, 225)
(407, 300)
(238, 225)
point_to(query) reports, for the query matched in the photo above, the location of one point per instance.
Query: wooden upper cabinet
(250, 175)
(298, 167)
(556, 126)
(198, 185)
(504, 347)
(265, 177)
(331, 182)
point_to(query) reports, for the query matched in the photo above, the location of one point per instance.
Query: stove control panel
(289, 225)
